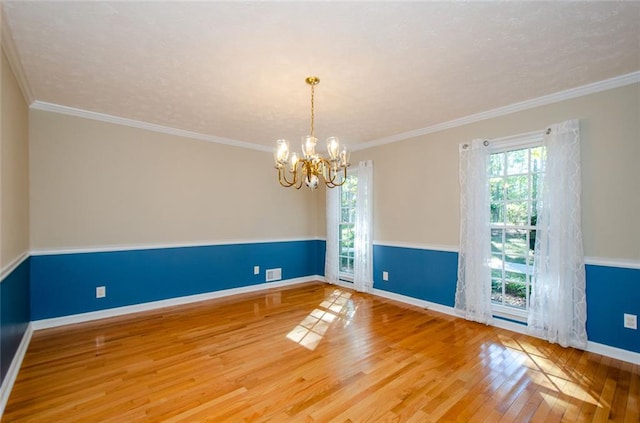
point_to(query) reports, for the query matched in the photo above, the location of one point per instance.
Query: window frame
(502, 145)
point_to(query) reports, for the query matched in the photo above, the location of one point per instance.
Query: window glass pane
(516, 268)
(515, 264)
(497, 213)
(496, 240)
(538, 154)
(517, 161)
(517, 187)
(515, 277)
(536, 185)
(496, 291)
(517, 213)
(539, 177)
(496, 273)
(496, 185)
(515, 294)
(534, 213)
(344, 215)
(496, 164)
(532, 242)
(515, 243)
(346, 235)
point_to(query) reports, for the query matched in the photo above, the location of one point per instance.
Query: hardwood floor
(311, 353)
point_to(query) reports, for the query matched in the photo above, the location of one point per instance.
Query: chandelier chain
(312, 108)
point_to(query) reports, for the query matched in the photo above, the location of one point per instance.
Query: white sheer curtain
(363, 257)
(473, 290)
(331, 262)
(558, 307)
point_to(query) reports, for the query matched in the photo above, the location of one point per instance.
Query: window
(346, 227)
(513, 182)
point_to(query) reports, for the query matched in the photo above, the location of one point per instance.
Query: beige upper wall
(100, 184)
(14, 157)
(416, 181)
(96, 184)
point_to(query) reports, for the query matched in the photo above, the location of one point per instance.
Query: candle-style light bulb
(345, 154)
(294, 161)
(309, 146)
(333, 147)
(281, 153)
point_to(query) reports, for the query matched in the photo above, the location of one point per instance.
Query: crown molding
(102, 117)
(8, 46)
(607, 84)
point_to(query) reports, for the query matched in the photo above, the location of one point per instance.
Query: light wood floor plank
(311, 353)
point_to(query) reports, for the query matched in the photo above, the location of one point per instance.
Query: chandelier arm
(282, 175)
(331, 174)
(332, 184)
(300, 182)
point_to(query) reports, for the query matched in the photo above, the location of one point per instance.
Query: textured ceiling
(236, 70)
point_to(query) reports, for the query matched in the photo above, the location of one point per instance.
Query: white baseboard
(428, 305)
(594, 347)
(613, 352)
(14, 368)
(119, 311)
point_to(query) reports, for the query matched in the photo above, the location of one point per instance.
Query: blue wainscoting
(611, 292)
(431, 275)
(14, 313)
(65, 284)
(321, 253)
(423, 274)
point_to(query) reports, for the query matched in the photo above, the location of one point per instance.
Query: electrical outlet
(385, 276)
(630, 321)
(101, 291)
(256, 270)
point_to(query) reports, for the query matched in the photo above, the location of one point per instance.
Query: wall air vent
(274, 274)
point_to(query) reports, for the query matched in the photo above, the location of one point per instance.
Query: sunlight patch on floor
(310, 331)
(543, 371)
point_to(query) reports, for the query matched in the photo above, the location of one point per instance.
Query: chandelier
(294, 170)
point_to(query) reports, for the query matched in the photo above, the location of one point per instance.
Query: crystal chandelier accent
(311, 167)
